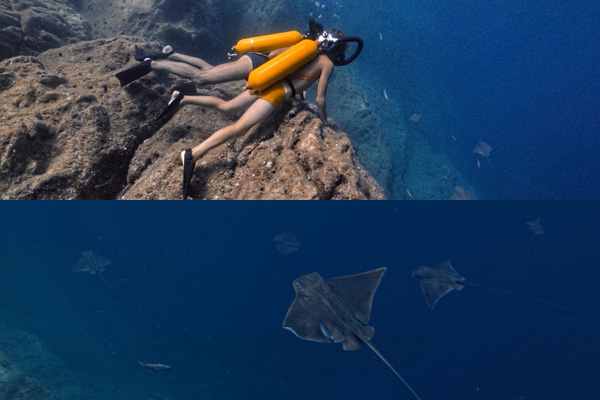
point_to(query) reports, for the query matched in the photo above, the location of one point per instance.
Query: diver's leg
(238, 103)
(255, 114)
(221, 73)
(194, 61)
(177, 68)
(232, 71)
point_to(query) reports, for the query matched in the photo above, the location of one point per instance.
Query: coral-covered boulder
(292, 155)
(29, 27)
(195, 27)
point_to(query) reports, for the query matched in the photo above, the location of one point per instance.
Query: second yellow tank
(284, 64)
(261, 44)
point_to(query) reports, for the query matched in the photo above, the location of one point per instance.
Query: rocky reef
(29, 27)
(29, 370)
(187, 25)
(69, 131)
(396, 151)
(15, 381)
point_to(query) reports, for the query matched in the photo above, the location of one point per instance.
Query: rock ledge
(69, 131)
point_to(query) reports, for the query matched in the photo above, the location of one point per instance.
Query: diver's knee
(239, 129)
(227, 108)
(200, 77)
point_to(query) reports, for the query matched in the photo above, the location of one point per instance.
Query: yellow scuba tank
(284, 64)
(261, 44)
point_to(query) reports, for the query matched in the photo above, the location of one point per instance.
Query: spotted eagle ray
(336, 310)
(287, 243)
(91, 263)
(439, 280)
(535, 226)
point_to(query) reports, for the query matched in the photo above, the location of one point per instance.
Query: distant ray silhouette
(91, 263)
(461, 193)
(415, 117)
(336, 310)
(484, 150)
(535, 226)
(287, 243)
(441, 279)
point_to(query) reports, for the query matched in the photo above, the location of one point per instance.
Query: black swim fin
(141, 56)
(188, 170)
(134, 73)
(173, 105)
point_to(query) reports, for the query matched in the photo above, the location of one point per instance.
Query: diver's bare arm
(322, 91)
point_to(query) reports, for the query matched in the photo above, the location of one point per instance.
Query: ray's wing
(285, 248)
(304, 318)
(286, 242)
(435, 288)
(101, 261)
(81, 265)
(535, 226)
(90, 262)
(446, 267)
(357, 291)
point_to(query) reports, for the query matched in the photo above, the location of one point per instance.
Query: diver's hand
(322, 107)
(332, 124)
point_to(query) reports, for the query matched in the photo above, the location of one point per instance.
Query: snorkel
(314, 30)
(334, 48)
(332, 44)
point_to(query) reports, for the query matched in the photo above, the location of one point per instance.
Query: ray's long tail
(518, 294)
(392, 368)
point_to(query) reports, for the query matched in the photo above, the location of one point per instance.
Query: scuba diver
(253, 53)
(193, 68)
(329, 50)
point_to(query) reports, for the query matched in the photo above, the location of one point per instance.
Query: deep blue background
(204, 289)
(518, 74)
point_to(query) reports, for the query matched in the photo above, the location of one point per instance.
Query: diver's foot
(140, 55)
(188, 170)
(173, 105)
(134, 73)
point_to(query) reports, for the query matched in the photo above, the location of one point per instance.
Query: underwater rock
(186, 25)
(378, 147)
(399, 155)
(69, 131)
(29, 370)
(292, 155)
(29, 27)
(22, 353)
(461, 193)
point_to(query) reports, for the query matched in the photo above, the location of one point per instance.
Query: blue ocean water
(522, 76)
(205, 290)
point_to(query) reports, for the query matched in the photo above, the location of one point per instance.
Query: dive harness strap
(291, 85)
